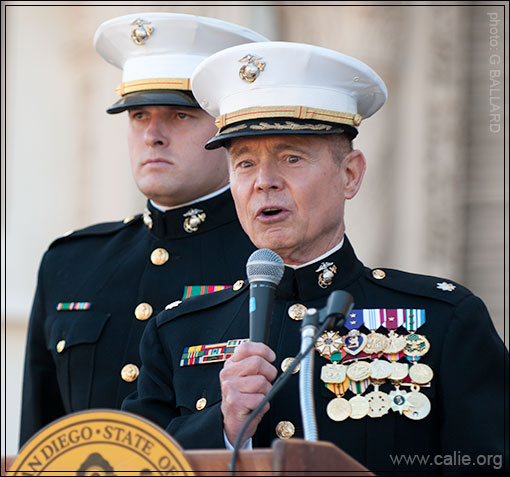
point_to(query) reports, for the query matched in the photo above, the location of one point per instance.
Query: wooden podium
(286, 457)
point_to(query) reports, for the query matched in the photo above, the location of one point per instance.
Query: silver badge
(327, 273)
(446, 286)
(251, 70)
(194, 217)
(142, 31)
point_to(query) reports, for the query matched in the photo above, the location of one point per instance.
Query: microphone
(264, 269)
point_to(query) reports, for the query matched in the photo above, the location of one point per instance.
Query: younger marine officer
(417, 369)
(100, 286)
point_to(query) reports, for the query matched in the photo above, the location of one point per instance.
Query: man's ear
(354, 166)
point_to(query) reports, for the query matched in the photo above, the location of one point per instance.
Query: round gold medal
(359, 371)
(399, 371)
(421, 373)
(338, 409)
(416, 345)
(380, 369)
(418, 406)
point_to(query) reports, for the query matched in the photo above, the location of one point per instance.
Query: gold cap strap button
(129, 373)
(159, 256)
(285, 429)
(378, 274)
(238, 285)
(60, 346)
(143, 311)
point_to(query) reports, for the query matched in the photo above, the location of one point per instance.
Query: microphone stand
(338, 307)
(306, 400)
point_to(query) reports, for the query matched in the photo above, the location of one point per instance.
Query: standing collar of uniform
(322, 257)
(302, 283)
(162, 208)
(219, 210)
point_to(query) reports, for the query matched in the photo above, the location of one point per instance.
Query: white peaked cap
(285, 88)
(159, 51)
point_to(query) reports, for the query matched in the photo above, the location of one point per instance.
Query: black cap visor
(270, 127)
(157, 97)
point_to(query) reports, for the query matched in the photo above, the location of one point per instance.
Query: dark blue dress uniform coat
(466, 355)
(75, 358)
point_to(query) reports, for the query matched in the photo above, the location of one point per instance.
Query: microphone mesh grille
(265, 265)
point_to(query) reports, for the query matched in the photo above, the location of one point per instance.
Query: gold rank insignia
(193, 218)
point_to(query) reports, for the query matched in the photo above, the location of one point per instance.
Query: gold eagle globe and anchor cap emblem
(193, 218)
(252, 69)
(327, 272)
(142, 31)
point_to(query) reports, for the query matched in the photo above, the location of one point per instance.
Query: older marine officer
(100, 286)
(418, 367)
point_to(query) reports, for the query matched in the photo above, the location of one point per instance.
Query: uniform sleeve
(473, 390)
(41, 401)
(154, 399)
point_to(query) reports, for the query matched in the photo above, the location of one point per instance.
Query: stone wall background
(434, 197)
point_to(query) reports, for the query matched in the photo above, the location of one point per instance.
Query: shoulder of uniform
(201, 302)
(422, 285)
(105, 228)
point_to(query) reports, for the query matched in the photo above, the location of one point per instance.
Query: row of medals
(363, 368)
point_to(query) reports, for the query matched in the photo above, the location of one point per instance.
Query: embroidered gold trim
(153, 83)
(298, 112)
(289, 125)
(232, 129)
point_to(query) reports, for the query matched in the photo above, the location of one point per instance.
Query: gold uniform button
(60, 346)
(297, 311)
(238, 285)
(128, 219)
(159, 256)
(201, 403)
(143, 311)
(378, 274)
(130, 372)
(286, 365)
(285, 430)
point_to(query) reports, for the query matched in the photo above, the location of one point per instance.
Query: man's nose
(155, 135)
(268, 177)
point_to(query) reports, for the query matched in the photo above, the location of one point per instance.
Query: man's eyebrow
(274, 149)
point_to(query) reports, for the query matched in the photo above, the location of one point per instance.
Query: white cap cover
(282, 87)
(159, 51)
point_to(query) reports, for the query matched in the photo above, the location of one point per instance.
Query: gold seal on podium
(101, 442)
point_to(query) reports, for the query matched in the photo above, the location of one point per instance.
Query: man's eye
(245, 164)
(293, 159)
(138, 115)
(182, 115)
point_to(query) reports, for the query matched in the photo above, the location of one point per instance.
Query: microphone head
(265, 265)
